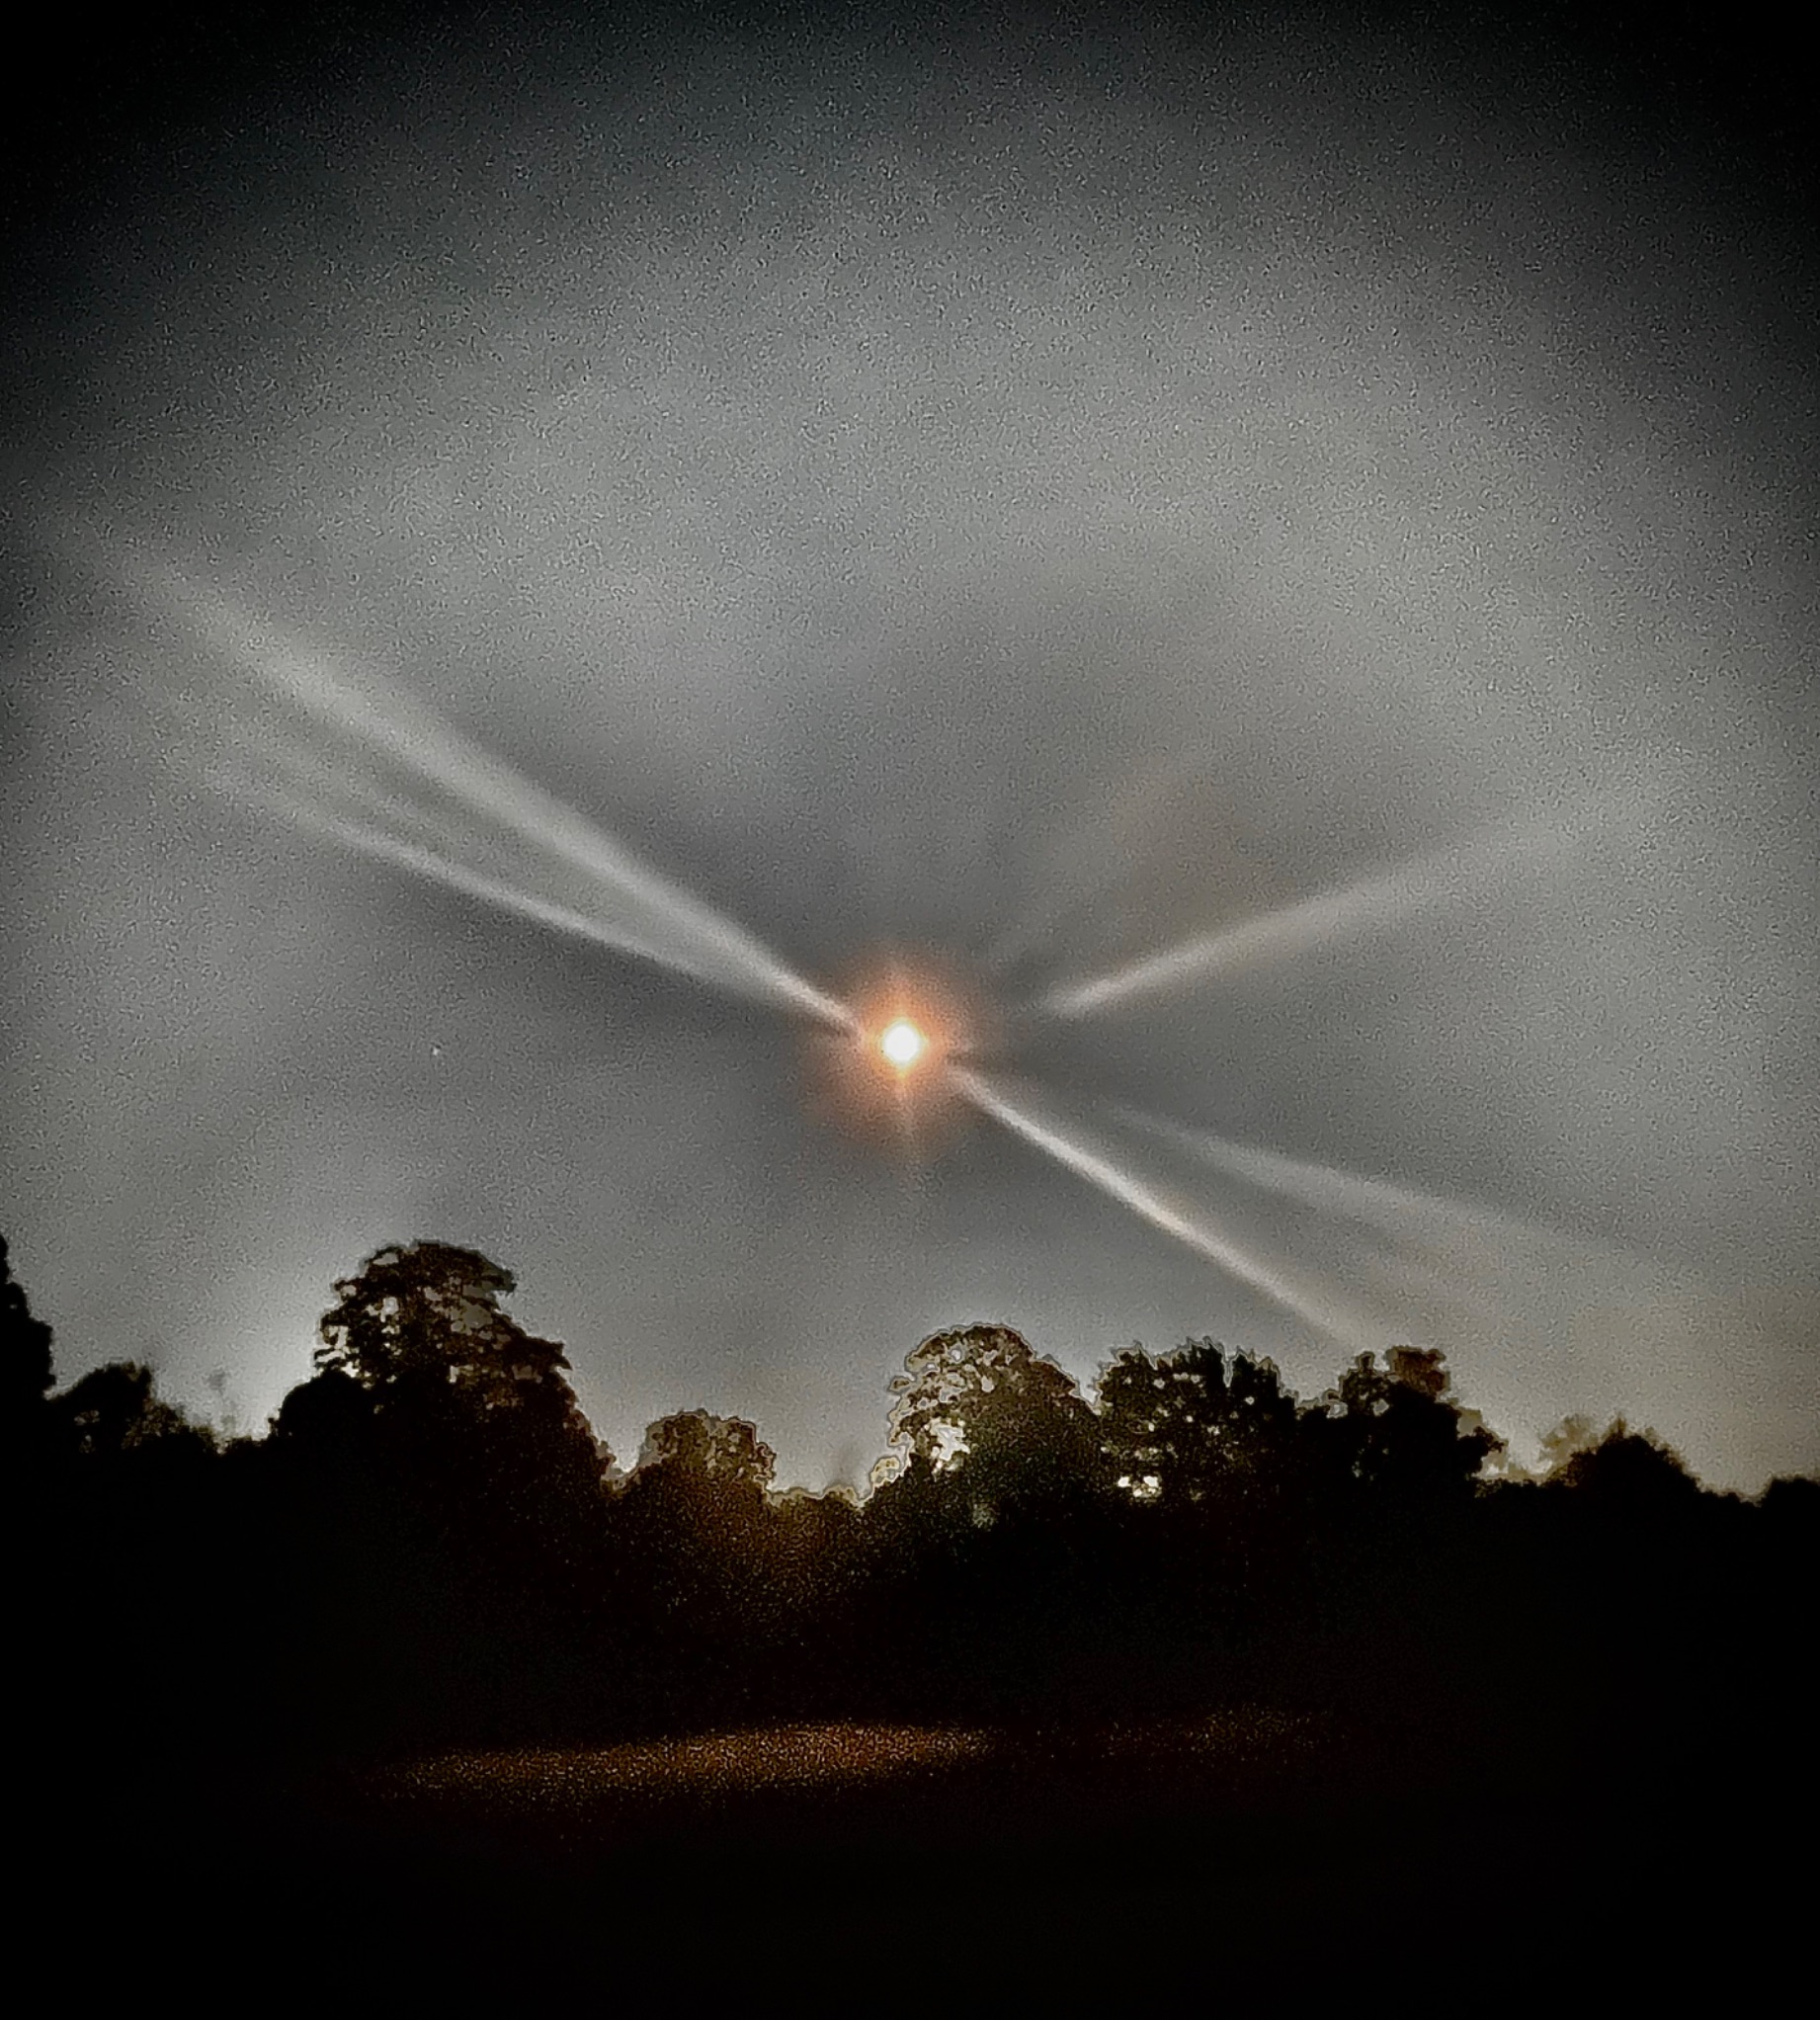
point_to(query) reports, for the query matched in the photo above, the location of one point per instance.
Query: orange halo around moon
(909, 1025)
(910, 1016)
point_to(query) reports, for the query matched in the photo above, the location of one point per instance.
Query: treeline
(430, 1548)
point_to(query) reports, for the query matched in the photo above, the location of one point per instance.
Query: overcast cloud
(1038, 511)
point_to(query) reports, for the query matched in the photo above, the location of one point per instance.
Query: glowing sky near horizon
(1290, 564)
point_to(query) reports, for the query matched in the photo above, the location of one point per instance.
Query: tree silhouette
(1616, 1467)
(984, 1530)
(421, 1331)
(1205, 1451)
(1196, 1426)
(720, 1453)
(693, 1527)
(985, 1417)
(1401, 1436)
(446, 1494)
(327, 1420)
(425, 1315)
(114, 1410)
(25, 1361)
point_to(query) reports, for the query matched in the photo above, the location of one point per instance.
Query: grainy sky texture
(1282, 559)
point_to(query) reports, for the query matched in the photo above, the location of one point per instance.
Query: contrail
(1387, 898)
(426, 863)
(1154, 1208)
(460, 804)
(1515, 1287)
(1376, 1200)
(378, 827)
(1450, 1232)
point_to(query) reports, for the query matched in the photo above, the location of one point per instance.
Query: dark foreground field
(815, 1864)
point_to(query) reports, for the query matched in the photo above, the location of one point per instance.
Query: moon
(902, 1044)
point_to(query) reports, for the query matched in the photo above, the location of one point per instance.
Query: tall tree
(427, 1315)
(482, 1402)
(446, 1483)
(721, 1452)
(1399, 1434)
(114, 1409)
(24, 1359)
(1196, 1426)
(696, 1533)
(979, 1410)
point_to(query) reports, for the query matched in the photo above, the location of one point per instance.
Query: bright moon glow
(902, 1044)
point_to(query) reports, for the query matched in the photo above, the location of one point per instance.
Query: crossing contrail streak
(1378, 1201)
(430, 800)
(1152, 1205)
(426, 863)
(301, 791)
(1386, 898)
(1449, 1233)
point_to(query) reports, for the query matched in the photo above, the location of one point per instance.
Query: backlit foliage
(981, 1390)
(425, 1314)
(1180, 1427)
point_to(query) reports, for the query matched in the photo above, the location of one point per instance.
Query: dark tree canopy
(424, 1312)
(25, 1349)
(420, 1330)
(1195, 1425)
(114, 1409)
(1618, 1465)
(977, 1406)
(722, 1452)
(326, 1418)
(1398, 1430)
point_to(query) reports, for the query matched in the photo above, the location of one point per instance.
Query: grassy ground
(800, 1864)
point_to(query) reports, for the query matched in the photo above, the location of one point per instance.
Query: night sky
(538, 557)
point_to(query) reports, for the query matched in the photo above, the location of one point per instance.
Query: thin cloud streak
(1405, 890)
(641, 912)
(1398, 1211)
(1513, 1281)
(1150, 1205)
(386, 848)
